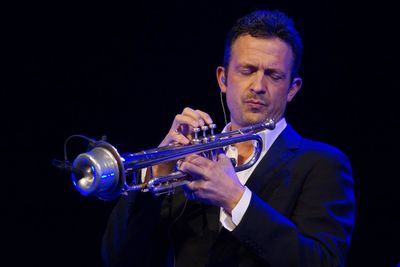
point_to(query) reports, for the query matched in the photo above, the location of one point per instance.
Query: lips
(255, 102)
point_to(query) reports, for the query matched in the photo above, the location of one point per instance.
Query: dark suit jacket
(301, 214)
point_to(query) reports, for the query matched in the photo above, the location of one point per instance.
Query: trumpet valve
(196, 139)
(212, 126)
(204, 138)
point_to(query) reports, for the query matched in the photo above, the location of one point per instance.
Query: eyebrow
(277, 71)
(267, 70)
(250, 66)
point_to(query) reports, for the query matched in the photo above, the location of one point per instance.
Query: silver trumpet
(106, 174)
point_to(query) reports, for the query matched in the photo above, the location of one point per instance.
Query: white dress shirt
(268, 137)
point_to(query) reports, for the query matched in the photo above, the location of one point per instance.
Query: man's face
(258, 83)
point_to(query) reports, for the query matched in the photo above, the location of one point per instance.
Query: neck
(245, 149)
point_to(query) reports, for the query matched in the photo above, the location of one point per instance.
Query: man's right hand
(183, 124)
(180, 133)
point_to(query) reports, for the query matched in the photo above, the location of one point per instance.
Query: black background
(124, 71)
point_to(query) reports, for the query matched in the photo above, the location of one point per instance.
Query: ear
(221, 78)
(294, 88)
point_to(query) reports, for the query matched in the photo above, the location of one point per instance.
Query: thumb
(223, 158)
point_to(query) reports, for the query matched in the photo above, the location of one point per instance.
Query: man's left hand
(214, 182)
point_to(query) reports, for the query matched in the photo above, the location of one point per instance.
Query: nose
(258, 86)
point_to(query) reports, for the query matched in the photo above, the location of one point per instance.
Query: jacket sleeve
(131, 237)
(318, 230)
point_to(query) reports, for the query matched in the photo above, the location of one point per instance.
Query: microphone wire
(223, 107)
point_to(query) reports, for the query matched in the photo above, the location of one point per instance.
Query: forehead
(265, 52)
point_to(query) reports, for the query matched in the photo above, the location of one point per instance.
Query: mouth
(255, 103)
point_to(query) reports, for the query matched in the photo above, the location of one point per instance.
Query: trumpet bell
(100, 173)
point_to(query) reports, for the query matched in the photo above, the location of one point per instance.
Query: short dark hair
(266, 24)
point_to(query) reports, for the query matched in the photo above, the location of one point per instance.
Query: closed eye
(247, 70)
(274, 74)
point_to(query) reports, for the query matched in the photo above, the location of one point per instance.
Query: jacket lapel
(265, 177)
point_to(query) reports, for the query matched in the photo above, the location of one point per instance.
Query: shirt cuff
(230, 222)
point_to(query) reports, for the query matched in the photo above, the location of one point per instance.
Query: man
(295, 207)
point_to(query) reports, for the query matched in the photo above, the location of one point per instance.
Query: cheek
(232, 98)
(279, 100)
(280, 94)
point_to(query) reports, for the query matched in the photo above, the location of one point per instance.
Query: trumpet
(105, 173)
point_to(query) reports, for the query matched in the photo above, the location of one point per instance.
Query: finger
(225, 160)
(199, 161)
(198, 115)
(192, 157)
(192, 169)
(182, 119)
(193, 115)
(219, 151)
(189, 194)
(205, 116)
(222, 157)
(194, 187)
(175, 137)
(178, 138)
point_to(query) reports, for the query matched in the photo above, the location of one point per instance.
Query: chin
(250, 120)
